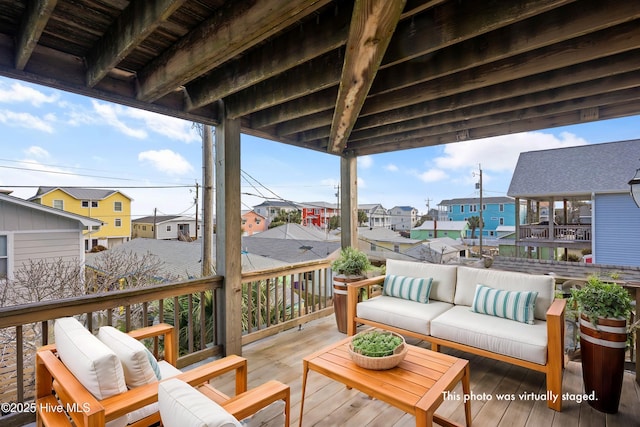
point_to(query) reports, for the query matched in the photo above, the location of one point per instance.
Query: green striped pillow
(411, 288)
(514, 305)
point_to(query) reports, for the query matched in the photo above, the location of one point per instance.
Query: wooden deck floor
(331, 404)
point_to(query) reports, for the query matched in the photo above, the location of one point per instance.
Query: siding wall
(50, 245)
(616, 223)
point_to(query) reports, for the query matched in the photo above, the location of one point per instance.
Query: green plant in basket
(375, 343)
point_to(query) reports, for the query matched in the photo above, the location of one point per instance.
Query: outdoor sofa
(508, 316)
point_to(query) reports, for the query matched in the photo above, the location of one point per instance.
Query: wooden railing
(273, 300)
(580, 233)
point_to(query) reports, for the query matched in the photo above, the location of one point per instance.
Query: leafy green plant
(601, 299)
(351, 262)
(375, 343)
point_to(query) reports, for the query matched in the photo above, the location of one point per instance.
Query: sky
(54, 138)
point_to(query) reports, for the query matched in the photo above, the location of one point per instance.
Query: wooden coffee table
(416, 386)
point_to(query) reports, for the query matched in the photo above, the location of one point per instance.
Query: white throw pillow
(94, 364)
(133, 355)
(183, 406)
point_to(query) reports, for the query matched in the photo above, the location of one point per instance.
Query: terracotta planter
(602, 353)
(340, 299)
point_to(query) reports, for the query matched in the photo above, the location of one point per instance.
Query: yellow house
(111, 207)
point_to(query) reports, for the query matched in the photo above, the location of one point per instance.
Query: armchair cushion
(183, 406)
(132, 354)
(411, 288)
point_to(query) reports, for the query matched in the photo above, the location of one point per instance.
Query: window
(86, 203)
(4, 257)
(58, 204)
(501, 221)
(144, 228)
(461, 208)
(396, 248)
(501, 207)
(117, 206)
(95, 227)
(168, 228)
(473, 208)
(118, 222)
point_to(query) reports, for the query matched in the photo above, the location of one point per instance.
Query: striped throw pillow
(514, 305)
(411, 288)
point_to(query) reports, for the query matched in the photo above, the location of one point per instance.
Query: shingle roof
(158, 219)
(576, 171)
(471, 200)
(296, 232)
(80, 193)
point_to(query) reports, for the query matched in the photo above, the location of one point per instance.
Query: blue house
(496, 212)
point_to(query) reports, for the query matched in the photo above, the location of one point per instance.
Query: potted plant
(348, 267)
(604, 310)
(377, 349)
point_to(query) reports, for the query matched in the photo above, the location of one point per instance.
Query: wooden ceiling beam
(133, 26)
(37, 14)
(310, 77)
(546, 122)
(372, 27)
(288, 51)
(297, 108)
(575, 93)
(228, 33)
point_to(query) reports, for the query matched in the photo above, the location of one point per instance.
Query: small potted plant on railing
(349, 267)
(604, 311)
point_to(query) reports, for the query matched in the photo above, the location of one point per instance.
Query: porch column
(349, 200)
(517, 222)
(228, 226)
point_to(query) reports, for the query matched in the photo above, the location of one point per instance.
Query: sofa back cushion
(469, 278)
(443, 283)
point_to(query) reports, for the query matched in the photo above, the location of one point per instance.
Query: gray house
(576, 181)
(31, 231)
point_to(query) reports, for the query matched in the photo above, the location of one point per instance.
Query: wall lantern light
(634, 185)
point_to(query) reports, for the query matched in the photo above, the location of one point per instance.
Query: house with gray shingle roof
(570, 179)
(403, 218)
(165, 227)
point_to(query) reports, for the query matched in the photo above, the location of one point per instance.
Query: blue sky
(54, 138)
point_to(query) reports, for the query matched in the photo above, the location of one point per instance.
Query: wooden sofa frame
(57, 388)
(555, 337)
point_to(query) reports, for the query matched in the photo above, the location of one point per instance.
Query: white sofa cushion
(513, 305)
(402, 313)
(502, 336)
(94, 364)
(183, 406)
(132, 354)
(469, 277)
(443, 284)
(411, 288)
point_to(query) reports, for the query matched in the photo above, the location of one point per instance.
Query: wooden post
(228, 226)
(349, 200)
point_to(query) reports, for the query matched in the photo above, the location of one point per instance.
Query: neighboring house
(31, 231)
(253, 223)
(569, 179)
(166, 227)
(383, 243)
(377, 216)
(428, 230)
(443, 250)
(403, 218)
(318, 213)
(111, 207)
(271, 209)
(496, 212)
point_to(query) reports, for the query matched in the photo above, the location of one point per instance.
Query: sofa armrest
(170, 340)
(353, 290)
(555, 350)
(250, 402)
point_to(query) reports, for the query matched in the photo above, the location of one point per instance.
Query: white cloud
(433, 175)
(501, 153)
(391, 167)
(365, 162)
(18, 92)
(166, 161)
(110, 114)
(171, 127)
(36, 151)
(25, 120)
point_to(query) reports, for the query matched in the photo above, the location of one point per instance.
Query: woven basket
(383, 362)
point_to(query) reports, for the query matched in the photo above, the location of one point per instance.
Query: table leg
(466, 390)
(305, 371)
